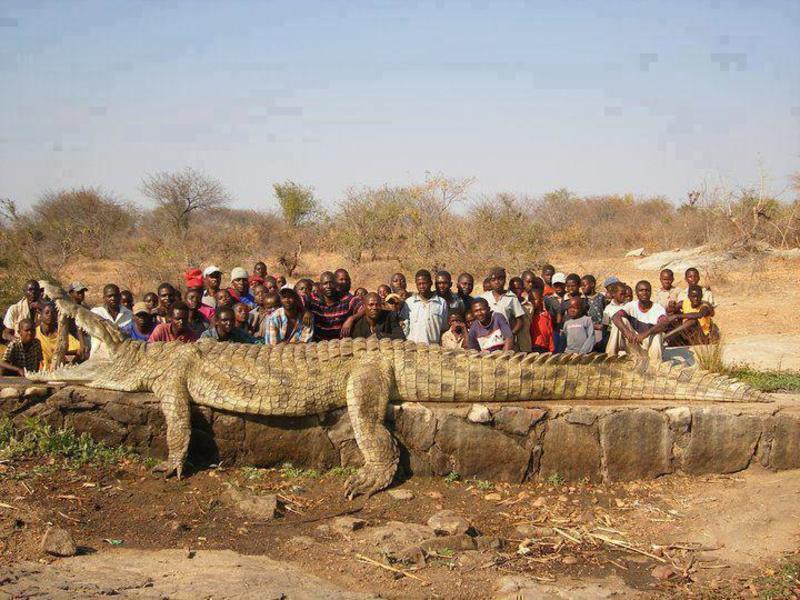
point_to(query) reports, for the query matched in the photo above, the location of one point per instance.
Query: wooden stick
(68, 517)
(626, 546)
(366, 559)
(566, 535)
(8, 506)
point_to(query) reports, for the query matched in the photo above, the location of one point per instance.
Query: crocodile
(363, 375)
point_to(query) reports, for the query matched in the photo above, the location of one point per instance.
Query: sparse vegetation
(289, 471)
(768, 381)
(452, 477)
(482, 484)
(555, 479)
(252, 473)
(342, 472)
(780, 583)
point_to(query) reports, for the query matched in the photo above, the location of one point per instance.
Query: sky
(649, 98)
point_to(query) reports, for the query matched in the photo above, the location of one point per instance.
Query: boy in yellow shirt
(47, 334)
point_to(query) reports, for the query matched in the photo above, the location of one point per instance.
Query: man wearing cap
(503, 301)
(240, 287)
(26, 308)
(212, 277)
(142, 324)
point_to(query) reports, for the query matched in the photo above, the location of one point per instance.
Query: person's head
(398, 282)
(126, 299)
(280, 281)
(260, 269)
(111, 297)
(194, 297)
(575, 308)
(527, 280)
(465, 284)
(588, 284)
(628, 293)
(547, 274)
(290, 300)
(166, 295)
(424, 282)
(224, 299)
(373, 306)
(480, 310)
(151, 300)
(270, 284)
(303, 287)
(212, 277)
(26, 330)
(487, 284)
(225, 321)
(617, 292)
(497, 276)
(558, 282)
(343, 280)
(695, 294)
(384, 290)
(666, 277)
(516, 285)
(469, 317)
(361, 292)
(241, 311)
(572, 284)
(692, 276)
(240, 281)
(77, 291)
(327, 282)
(142, 317)
(456, 323)
(179, 317)
(271, 301)
(48, 313)
(32, 291)
(259, 293)
(444, 281)
(643, 291)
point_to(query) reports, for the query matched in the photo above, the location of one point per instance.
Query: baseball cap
(211, 269)
(393, 298)
(140, 307)
(559, 278)
(238, 273)
(609, 280)
(77, 286)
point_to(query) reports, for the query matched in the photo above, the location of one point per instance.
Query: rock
(570, 451)
(446, 522)
(785, 451)
(415, 425)
(411, 555)
(581, 416)
(526, 530)
(475, 449)
(345, 525)
(9, 393)
(394, 536)
(516, 420)
(493, 497)
(255, 506)
(639, 252)
(450, 542)
(489, 542)
(58, 542)
(268, 441)
(637, 444)
(35, 390)
(663, 572)
(720, 442)
(401, 494)
(479, 414)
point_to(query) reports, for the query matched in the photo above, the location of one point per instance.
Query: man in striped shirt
(334, 312)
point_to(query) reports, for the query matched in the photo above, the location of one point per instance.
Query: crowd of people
(553, 312)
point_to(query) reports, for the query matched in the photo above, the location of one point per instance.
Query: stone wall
(598, 442)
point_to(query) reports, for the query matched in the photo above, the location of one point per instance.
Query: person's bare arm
(508, 344)
(5, 366)
(660, 327)
(706, 310)
(347, 326)
(621, 321)
(8, 334)
(516, 325)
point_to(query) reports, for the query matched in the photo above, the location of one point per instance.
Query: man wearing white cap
(212, 277)
(240, 287)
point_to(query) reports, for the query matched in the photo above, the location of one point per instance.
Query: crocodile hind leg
(174, 398)
(367, 401)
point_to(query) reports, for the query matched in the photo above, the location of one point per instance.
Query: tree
(297, 202)
(179, 195)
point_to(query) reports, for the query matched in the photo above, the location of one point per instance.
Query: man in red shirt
(177, 329)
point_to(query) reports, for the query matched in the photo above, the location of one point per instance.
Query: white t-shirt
(123, 318)
(507, 305)
(642, 320)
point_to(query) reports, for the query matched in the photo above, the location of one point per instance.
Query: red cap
(194, 278)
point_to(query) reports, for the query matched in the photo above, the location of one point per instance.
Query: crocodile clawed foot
(369, 480)
(169, 468)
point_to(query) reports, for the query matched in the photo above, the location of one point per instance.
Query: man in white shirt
(112, 310)
(504, 301)
(26, 308)
(641, 322)
(424, 315)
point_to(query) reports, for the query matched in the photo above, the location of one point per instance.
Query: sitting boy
(692, 277)
(23, 353)
(456, 336)
(698, 326)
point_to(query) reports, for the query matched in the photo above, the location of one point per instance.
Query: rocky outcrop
(608, 442)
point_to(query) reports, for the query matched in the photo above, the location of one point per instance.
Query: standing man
(240, 287)
(77, 291)
(212, 278)
(503, 301)
(166, 298)
(178, 327)
(331, 310)
(465, 285)
(399, 285)
(425, 314)
(26, 308)
(444, 283)
(225, 330)
(113, 311)
(142, 325)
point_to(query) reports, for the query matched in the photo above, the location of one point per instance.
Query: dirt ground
(709, 536)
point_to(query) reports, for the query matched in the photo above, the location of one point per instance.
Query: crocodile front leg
(174, 398)
(367, 401)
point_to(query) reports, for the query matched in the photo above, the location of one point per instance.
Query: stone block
(415, 427)
(785, 452)
(571, 451)
(637, 444)
(10, 393)
(478, 451)
(126, 413)
(581, 416)
(269, 441)
(478, 413)
(517, 420)
(720, 441)
(100, 426)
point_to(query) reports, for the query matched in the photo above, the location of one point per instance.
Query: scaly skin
(364, 376)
